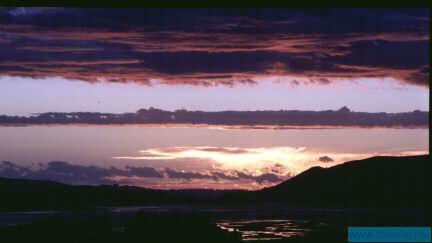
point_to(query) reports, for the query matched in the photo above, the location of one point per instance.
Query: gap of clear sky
(70, 96)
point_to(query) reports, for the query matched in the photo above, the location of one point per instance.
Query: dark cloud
(11, 170)
(73, 173)
(269, 177)
(240, 119)
(144, 172)
(214, 47)
(325, 159)
(186, 174)
(226, 150)
(58, 171)
(277, 169)
(219, 175)
(93, 175)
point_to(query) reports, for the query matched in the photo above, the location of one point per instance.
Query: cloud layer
(190, 167)
(94, 175)
(215, 47)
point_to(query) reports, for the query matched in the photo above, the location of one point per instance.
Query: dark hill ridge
(22, 195)
(341, 117)
(372, 182)
(397, 182)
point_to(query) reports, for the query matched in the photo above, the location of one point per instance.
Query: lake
(247, 224)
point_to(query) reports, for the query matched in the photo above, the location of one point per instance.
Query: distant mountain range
(395, 182)
(341, 117)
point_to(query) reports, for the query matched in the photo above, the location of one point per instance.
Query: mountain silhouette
(384, 181)
(374, 182)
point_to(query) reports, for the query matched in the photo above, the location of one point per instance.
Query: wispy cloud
(279, 160)
(283, 161)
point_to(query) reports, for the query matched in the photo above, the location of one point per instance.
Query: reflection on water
(268, 229)
(195, 223)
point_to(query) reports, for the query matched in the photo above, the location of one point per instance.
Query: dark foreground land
(377, 182)
(315, 206)
(189, 227)
(137, 228)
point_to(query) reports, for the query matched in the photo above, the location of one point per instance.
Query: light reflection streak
(266, 229)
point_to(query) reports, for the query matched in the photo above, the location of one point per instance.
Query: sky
(120, 60)
(190, 157)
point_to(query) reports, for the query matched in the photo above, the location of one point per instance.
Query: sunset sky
(121, 60)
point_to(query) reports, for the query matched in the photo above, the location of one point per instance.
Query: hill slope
(399, 182)
(373, 182)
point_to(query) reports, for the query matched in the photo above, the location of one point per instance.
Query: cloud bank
(66, 172)
(205, 47)
(260, 119)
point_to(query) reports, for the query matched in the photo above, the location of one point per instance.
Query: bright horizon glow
(255, 152)
(293, 160)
